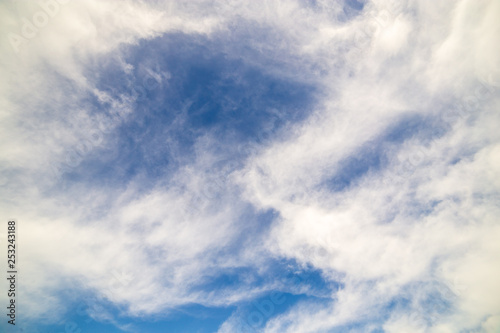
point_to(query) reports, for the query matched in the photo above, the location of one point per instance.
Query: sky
(267, 166)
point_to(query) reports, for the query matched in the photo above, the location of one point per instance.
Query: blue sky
(237, 166)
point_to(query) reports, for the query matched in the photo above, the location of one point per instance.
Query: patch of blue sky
(350, 8)
(287, 275)
(187, 319)
(87, 312)
(203, 93)
(372, 155)
(355, 4)
(252, 313)
(301, 278)
(294, 283)
(252, 316)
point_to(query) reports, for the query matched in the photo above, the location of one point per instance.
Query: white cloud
(382, 237)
